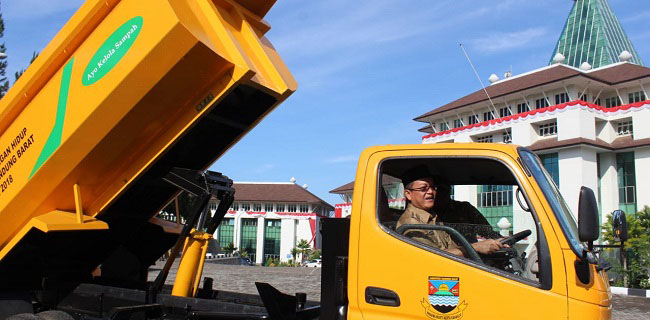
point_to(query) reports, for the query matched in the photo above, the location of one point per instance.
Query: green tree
(637, 248)
(304, 248)
(316, 254)
(294, 252)
(19, 73)
(229, 248)
(4, 83)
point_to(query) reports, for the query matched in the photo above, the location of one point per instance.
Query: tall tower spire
(593, 34)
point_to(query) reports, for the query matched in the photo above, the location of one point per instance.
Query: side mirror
(588, 216)
(619, 225)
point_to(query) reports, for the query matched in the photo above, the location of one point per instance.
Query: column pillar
(642, 177)
(259, 247)
(287, 238)
(608, 185)
(577, 167)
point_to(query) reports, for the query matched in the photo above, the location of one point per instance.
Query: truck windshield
(554, 198)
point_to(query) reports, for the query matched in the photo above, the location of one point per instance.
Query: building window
(268, 207)
(584, 97)
(443, 126)
(226, 232)
(235, 206)
(488, 116)
(504, 112)
(494, 196)
(495, 202)
(484, 139)
(507, 136)
(548, 129)
(636, 97)
(304, 208)
(249, 237)
(457, 123)
(246, 207)
(541, 103)
(257, 207)
(597, 101)
(626, 181)
(561, 98)
(624, 128)
(272, 236)
(291, 208)
(550, 163)
(612, 102)
(279, 207)
(473, 119)
(522, 107)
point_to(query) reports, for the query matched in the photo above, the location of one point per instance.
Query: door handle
(382, 297)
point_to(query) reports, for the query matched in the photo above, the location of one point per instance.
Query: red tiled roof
(620, 73)
(344, 188)
(618, 143)
(553, 74)
(611, 75)
(275, 192)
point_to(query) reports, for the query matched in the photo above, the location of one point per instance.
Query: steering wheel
(516, 237)
(505, 254)
(453, 233)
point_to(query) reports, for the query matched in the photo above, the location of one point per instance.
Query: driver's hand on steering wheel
(488, 246)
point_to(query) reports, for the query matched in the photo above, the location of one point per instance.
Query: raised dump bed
(126, 91)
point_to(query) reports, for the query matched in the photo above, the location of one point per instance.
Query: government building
(585, 115)
(268, 219)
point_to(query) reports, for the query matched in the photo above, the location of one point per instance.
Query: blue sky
(365, 69)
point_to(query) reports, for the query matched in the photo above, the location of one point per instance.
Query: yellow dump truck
(134, 99)
(125, 107)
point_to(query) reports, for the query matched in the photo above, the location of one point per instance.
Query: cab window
(463, 209)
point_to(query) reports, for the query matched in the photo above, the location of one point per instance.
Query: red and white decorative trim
(543, 112)
(264, 213)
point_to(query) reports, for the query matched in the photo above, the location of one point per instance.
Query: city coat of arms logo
(443, 301)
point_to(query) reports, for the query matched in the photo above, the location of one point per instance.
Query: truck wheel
(53, 315)
(23, 316)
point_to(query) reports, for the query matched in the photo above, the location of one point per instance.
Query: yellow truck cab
(549, 271)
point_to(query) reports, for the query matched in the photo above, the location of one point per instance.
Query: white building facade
(268, 220)
(589, 127)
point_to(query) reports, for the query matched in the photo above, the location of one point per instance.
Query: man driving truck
(420, 191)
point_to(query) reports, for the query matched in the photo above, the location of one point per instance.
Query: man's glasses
(425, 189)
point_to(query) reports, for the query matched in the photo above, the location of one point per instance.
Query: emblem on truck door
(443, 301)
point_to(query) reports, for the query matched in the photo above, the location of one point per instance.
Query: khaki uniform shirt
(435, 238)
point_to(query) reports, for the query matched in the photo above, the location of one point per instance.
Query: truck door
(399, 277)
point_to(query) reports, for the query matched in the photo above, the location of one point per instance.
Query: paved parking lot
(307, 280)
(242, 278)
(630, 308)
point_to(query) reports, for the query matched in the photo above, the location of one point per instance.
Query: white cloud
(31, 9)
(342, 159)
(501, 41)
(351, 33)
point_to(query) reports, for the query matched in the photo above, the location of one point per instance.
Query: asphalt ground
(300, 279)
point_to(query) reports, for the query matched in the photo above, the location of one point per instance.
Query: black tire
(23, 316)
(53, 315)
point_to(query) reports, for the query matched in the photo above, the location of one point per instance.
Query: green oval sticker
(112, 51)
